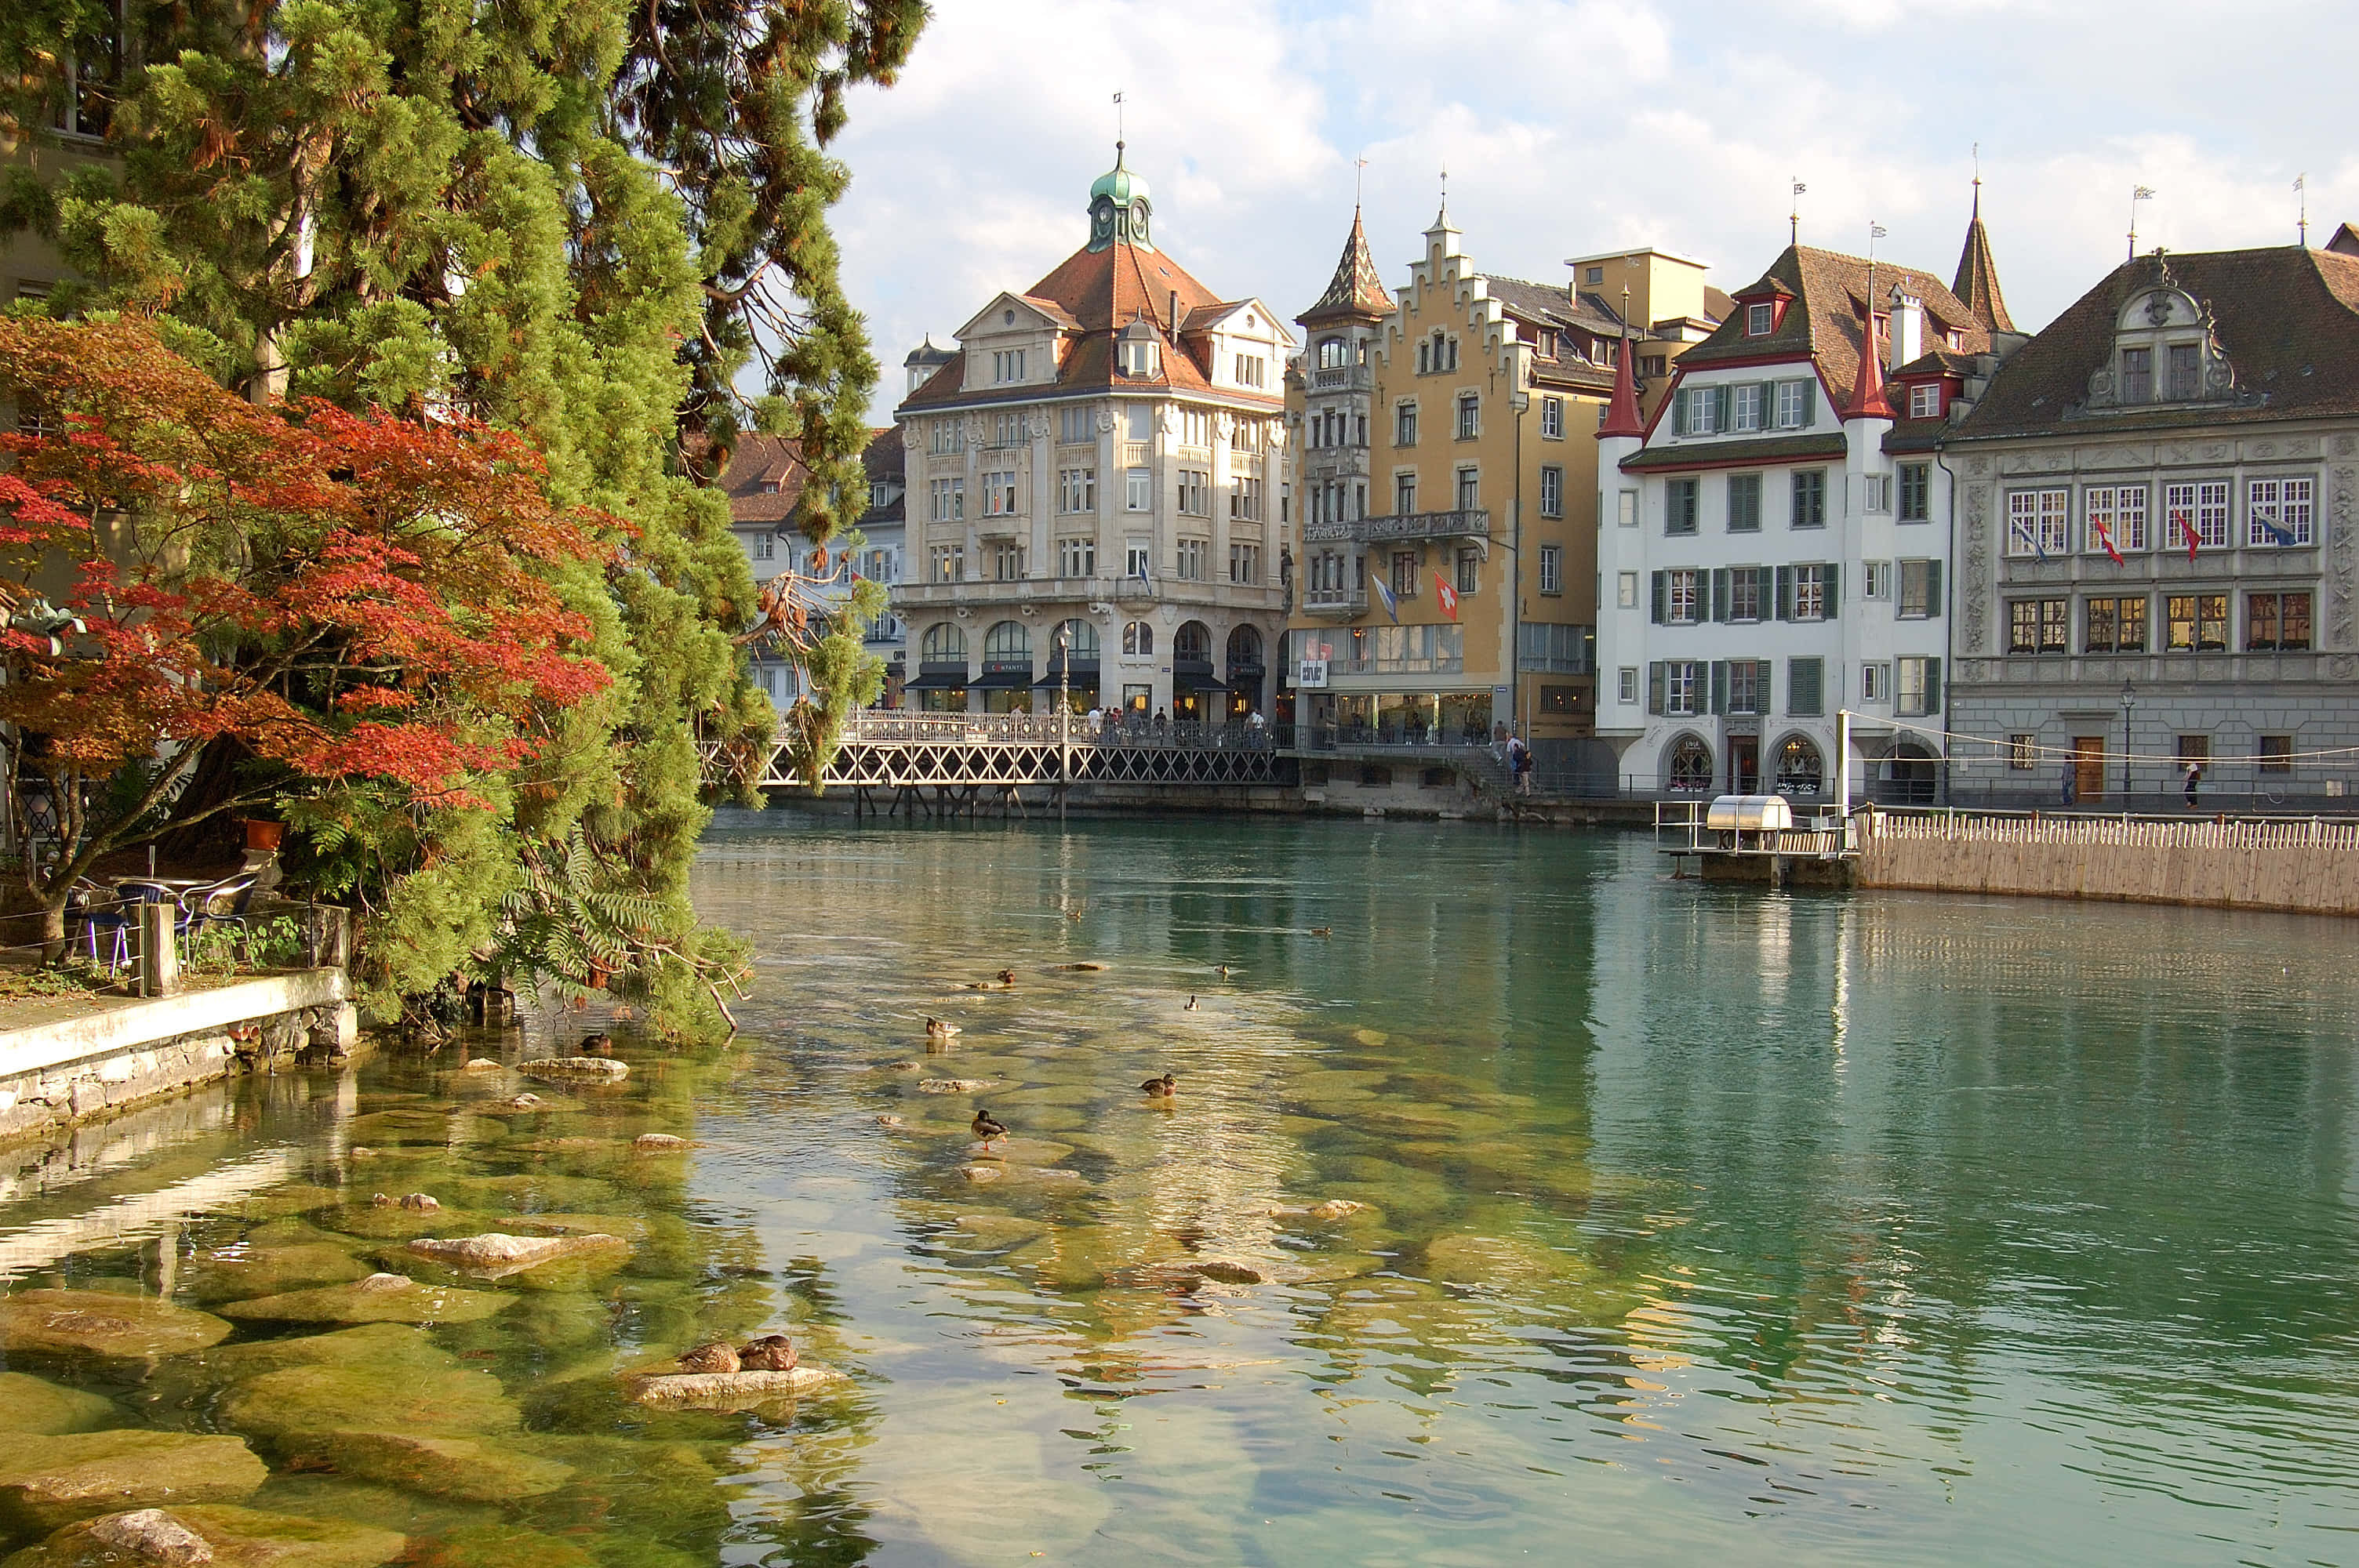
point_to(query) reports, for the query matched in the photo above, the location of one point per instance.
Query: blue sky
(1569, 128)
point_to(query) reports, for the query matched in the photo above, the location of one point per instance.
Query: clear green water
(1699, 1223)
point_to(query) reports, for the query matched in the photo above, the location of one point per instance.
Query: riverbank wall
(2303, 866)
(73, 1069)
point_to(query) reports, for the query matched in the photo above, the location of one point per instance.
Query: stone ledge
(139, 1024)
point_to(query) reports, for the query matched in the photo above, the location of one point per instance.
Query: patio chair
(220, 903)
(100, 911)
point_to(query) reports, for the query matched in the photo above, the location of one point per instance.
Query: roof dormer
(2164, 352)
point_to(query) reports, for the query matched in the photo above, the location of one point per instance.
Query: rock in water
(525, 1102)
(954, 1085)
(657, 1144)
(481, 1064)
(576, 1069)
(497, 1254)
(419, 1201)
(30, 1404)
(235, 1537)
(457, 1467)
(58, 1480)
(101, 1323)
(729, 1391)
(981, 1172)
(380, 1298)
(152, 1536)
(1226, 1272)
(714, 1358)
(771, 1353)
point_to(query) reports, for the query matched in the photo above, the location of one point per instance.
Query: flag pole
(1843, 763)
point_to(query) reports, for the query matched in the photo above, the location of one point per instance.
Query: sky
(1569, 128)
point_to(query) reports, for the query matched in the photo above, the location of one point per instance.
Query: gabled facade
(1463, 484)
(2155, 538)
(1774, 540)
(1104, 455)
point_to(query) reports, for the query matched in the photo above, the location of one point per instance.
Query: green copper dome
(1119, 208)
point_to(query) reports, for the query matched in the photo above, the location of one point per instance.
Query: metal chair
(101, 910)
(221, 903)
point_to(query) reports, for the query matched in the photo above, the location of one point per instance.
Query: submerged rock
(495, 1254)
(480, 1065)
(1331, 1209)
(58, 1480)
(232, 1273)
(233, 1538)
(576, 1069)
(954, 1085)
(101, 1323)
(296, 1404)
(422, 1201)
(380, 1298)
(525, 1102)
(30, 1404)
(458, 1467)
(729, 1391)
(657, 1144)
(496, 1546)
(981, 1172)
(151, 1535)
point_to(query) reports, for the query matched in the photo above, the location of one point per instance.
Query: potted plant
(263, 837)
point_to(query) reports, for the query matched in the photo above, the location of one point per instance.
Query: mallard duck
(1322, 931)
(1073, 914)
(939, 1029)
(1224, 971)
(1163, 1088)
(1007, 979)
(771, 1353)
(988, 1128)
(1190, 1007)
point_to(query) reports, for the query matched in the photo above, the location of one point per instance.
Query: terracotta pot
(264, 836)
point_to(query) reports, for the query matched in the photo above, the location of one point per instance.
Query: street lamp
(2129, 702)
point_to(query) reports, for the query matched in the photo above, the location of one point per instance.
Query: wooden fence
(2305, 864)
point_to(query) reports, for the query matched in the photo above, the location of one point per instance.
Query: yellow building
(1447, 588)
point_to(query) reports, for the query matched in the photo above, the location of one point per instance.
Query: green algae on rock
(380, 1298)
(237, 1272)
(101, 1323)
(458, 1467)
(496, 1546)
(371, 1396)
(237, 1537)
(74, 1476)
(30, 1404)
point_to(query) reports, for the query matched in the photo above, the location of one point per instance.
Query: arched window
(1690, 767)
(1008, 642)
(1801, 772)
(1080, 639)
(943, 644)
(1331, 353)
(1245, 649)
(1193, 640)
(1138, 640)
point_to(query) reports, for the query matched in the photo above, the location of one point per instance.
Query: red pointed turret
(1867, 399)
(1622, 413)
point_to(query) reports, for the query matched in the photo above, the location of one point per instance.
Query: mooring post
(159, 960)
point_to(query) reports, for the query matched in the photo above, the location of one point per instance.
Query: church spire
(1977, 284)
(1356, 289)
(1622, 412)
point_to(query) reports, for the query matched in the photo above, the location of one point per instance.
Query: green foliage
(591, 222)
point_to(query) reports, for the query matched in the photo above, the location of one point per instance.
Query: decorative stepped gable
(1977, 281)
(1356, 289)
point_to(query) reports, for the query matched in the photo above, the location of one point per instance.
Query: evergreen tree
(591, 221)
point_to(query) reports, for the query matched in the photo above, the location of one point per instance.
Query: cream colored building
(1104, 456)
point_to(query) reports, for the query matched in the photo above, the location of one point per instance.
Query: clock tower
(1119, 208)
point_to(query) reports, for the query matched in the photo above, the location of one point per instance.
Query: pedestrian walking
(2194, 776)
(2072, 790)
(1519, 759)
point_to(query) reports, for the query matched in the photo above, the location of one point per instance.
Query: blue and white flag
(2277, 535)
(1385, 594)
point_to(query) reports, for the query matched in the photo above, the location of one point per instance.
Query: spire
(1356, 289)
(1867, 399)
(1977, 284)
(1622, 412)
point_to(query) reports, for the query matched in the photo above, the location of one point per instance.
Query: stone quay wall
(2307, 866)
(77, 1068)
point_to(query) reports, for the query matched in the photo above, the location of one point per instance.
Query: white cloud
(1569, 125)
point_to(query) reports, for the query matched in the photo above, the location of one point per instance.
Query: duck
(1322, 931)
(1190, 1007)
(988, 1128)
(1163, 1088)
(1224, 971)
(1073, 914)
(1007, 979)
(941, 1029)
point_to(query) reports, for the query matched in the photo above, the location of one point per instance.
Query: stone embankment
(74, 1069)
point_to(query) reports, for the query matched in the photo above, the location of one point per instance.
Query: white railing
(1946, 826)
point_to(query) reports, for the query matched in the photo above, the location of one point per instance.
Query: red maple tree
(337, 598)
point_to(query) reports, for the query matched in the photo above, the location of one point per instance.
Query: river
(1690, 1222)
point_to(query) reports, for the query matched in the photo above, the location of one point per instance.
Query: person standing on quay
(2194, 775)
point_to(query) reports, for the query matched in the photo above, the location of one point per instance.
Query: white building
(1773, 543)
(1103, 457)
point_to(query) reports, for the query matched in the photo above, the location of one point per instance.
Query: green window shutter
(1655, 687)
(1932, 588)
(1835, 589)
(1785, 599)
(1720, 686)
(1680, 412)
(1661, 599)
(1764, 586)
(1722, 397)
(1720, 593)
(1809, 401)
(1768, 406)
(1933, 685)
(1764, 672)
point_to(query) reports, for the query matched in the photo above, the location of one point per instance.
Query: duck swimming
(1163, 1088)
(987, 1127)
(1190, 1007)
(939, 1029)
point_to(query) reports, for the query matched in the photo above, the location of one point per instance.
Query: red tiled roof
(1357, 288)
(764, 479)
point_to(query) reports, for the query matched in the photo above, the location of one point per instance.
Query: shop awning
(937, 681)
(1001, 680)
(1085, 673)
(1248, 681)
(1193, 680)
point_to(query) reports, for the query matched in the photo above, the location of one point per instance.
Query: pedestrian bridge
(961, 755)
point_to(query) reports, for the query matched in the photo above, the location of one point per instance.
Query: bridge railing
(899, 726)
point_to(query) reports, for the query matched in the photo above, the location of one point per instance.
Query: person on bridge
(2194, 776)
(1161, 722)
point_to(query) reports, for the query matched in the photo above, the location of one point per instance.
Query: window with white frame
(1875, 580)
(1795, 400)
(1811, 599)
(1917, 687)
(1195, 492)
(1007, 563)
(2200, 508)
(948, 499)
(1138, 489)
(999, 493)
(1682, 596)
(1251, 369)
(1625, 591)
(1745, 410)
(1552, 568)
(1192, 553)
(1135, 560)
(1551, 491)
(1626, 683)
(1683, 683)
(2116, 514)
(1244, 564)
(1007, 430)
(1245, 498)
(2038, 522)
(1875, 492)
(1924, 400)
(1073, 424)
(949, 435)
(1077, 489)
(1703, 409)
(1077, 558)
(1404, 425)
(766, 546)
(1876, 683)
(1007, 364)
(2277, 512)
(949, 562)
(1470, 489)
(1195, 428)
(1470, 416)
(1553, 418)
(1759, 319)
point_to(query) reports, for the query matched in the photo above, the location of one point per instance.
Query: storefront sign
(1310, 675)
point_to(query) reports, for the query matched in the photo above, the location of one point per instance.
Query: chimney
(1175, 313)
(1907, 334)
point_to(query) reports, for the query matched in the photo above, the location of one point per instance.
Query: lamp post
(2129, 702)
(1064, 718)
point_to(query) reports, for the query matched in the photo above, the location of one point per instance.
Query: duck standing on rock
(987, 1127)
(1163, 1088)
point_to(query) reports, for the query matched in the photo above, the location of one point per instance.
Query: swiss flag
(1447, 595)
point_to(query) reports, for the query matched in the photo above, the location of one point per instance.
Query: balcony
(1337, 604)
(1343, 378)
(1467, 524)
(1001, 525)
